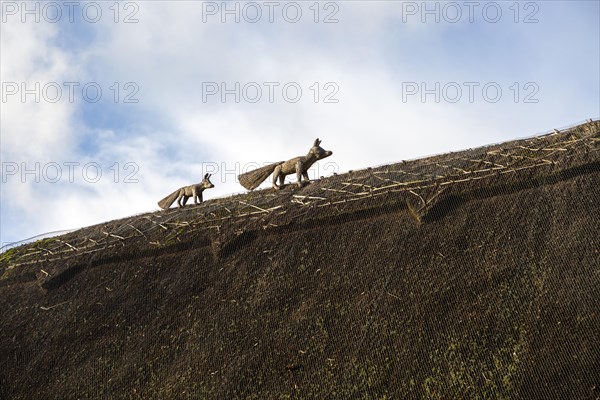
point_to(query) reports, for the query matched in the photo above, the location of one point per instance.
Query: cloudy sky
(109, 106)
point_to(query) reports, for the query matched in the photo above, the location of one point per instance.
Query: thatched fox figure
(299, 165)
(186, 192)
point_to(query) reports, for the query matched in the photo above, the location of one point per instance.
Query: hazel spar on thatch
(250, 180)
(186, 192)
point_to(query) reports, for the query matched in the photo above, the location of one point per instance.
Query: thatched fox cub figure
(186, 192)
(299, 165)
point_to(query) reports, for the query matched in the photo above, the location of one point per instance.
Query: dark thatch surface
(472, 274)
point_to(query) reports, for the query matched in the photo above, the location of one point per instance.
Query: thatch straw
(251, 179)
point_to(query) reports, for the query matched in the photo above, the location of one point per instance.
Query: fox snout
(325, 154)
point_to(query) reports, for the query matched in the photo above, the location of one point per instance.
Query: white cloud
(31, 62)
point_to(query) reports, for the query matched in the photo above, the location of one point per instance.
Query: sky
(109, 106)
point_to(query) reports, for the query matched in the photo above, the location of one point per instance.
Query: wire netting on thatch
(418, 184)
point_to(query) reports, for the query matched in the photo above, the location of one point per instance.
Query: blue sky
(532, 67)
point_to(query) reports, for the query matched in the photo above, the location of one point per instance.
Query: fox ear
(316, 143)
(206, 176)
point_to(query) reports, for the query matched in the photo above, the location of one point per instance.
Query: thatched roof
(468, 274)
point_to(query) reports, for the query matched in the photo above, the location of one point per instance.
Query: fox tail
(251, 179)
(167, 201)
